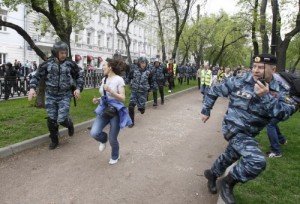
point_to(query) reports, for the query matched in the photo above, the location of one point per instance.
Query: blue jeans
(204, 90)
(98, 134)
(275, 136)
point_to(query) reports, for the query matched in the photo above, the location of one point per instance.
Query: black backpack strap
(103, 86)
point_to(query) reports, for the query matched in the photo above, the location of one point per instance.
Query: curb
(40, 140)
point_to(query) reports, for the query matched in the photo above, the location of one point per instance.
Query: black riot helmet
(59, 46)
(9, 65)
(143, 60)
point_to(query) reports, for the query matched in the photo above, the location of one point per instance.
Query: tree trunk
(254, 39)
(180, 22)
(263, 32)
(282, 45)
(275, 11)
(161, 32)
(281, 56)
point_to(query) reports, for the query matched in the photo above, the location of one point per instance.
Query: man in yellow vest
(171, 66)
(206, 79)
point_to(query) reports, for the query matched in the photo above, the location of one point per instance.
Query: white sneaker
(169, 91)
(112, 161)
(102, 147)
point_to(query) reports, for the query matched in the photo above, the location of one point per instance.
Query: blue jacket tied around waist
(125, 119)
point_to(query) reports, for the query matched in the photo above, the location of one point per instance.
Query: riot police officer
(254, 99)
(158, 82)
(60, 73)
(9, 80)
(140, 80)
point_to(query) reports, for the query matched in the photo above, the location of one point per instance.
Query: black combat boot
(68, 124)
(54, 142)
(142, 110)
(154, 98)
(131, 114)
(53, 129)
(211, 183)
(226, 189)
(162, 101)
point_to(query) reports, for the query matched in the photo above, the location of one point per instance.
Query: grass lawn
(280, 182)
(20, 120)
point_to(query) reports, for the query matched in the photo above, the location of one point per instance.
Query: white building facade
(90, 46)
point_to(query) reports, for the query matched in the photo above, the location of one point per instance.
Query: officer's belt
(56, 90)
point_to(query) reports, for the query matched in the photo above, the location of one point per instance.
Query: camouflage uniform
(158, 83)
(246, 116)
(60, 76)
(188, 73)
(180, 75)
(140, 84)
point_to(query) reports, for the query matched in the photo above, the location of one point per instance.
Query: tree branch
(26, 37)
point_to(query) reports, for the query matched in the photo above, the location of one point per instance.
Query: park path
(162, 161)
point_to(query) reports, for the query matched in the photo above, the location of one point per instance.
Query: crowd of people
(10, 72)
(256, 99)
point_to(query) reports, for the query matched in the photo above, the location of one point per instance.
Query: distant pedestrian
(158, 80)
(199, 77)
(9, 80)
(206, 80)
(172, 70)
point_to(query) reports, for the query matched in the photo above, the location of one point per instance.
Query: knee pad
(53, 127)
(51, 123)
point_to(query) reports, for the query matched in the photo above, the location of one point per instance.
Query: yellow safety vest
(205, 77)
(174, 68)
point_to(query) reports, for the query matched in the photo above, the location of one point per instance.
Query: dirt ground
(162, 161)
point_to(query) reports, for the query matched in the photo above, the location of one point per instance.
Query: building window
(2, 58)
(3, 18)
(108, 21)
(107, 42)
(99, 40)
(89, 38)
(100, 17)
(76, 36)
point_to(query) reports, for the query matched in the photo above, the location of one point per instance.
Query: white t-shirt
(115, 83)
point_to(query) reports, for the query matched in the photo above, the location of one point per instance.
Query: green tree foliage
(127, 9)
(216, 39)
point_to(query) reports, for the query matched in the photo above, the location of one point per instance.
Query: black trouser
(199, 81)
(8, 84)
(188, 80)
(161, 92)
(180, 79)
(131, 111)
(171, 82)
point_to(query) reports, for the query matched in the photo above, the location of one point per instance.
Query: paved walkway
(162, 161)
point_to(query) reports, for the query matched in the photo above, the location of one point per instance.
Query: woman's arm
(119, 96)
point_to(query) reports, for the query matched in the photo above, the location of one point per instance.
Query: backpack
(293, 81)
